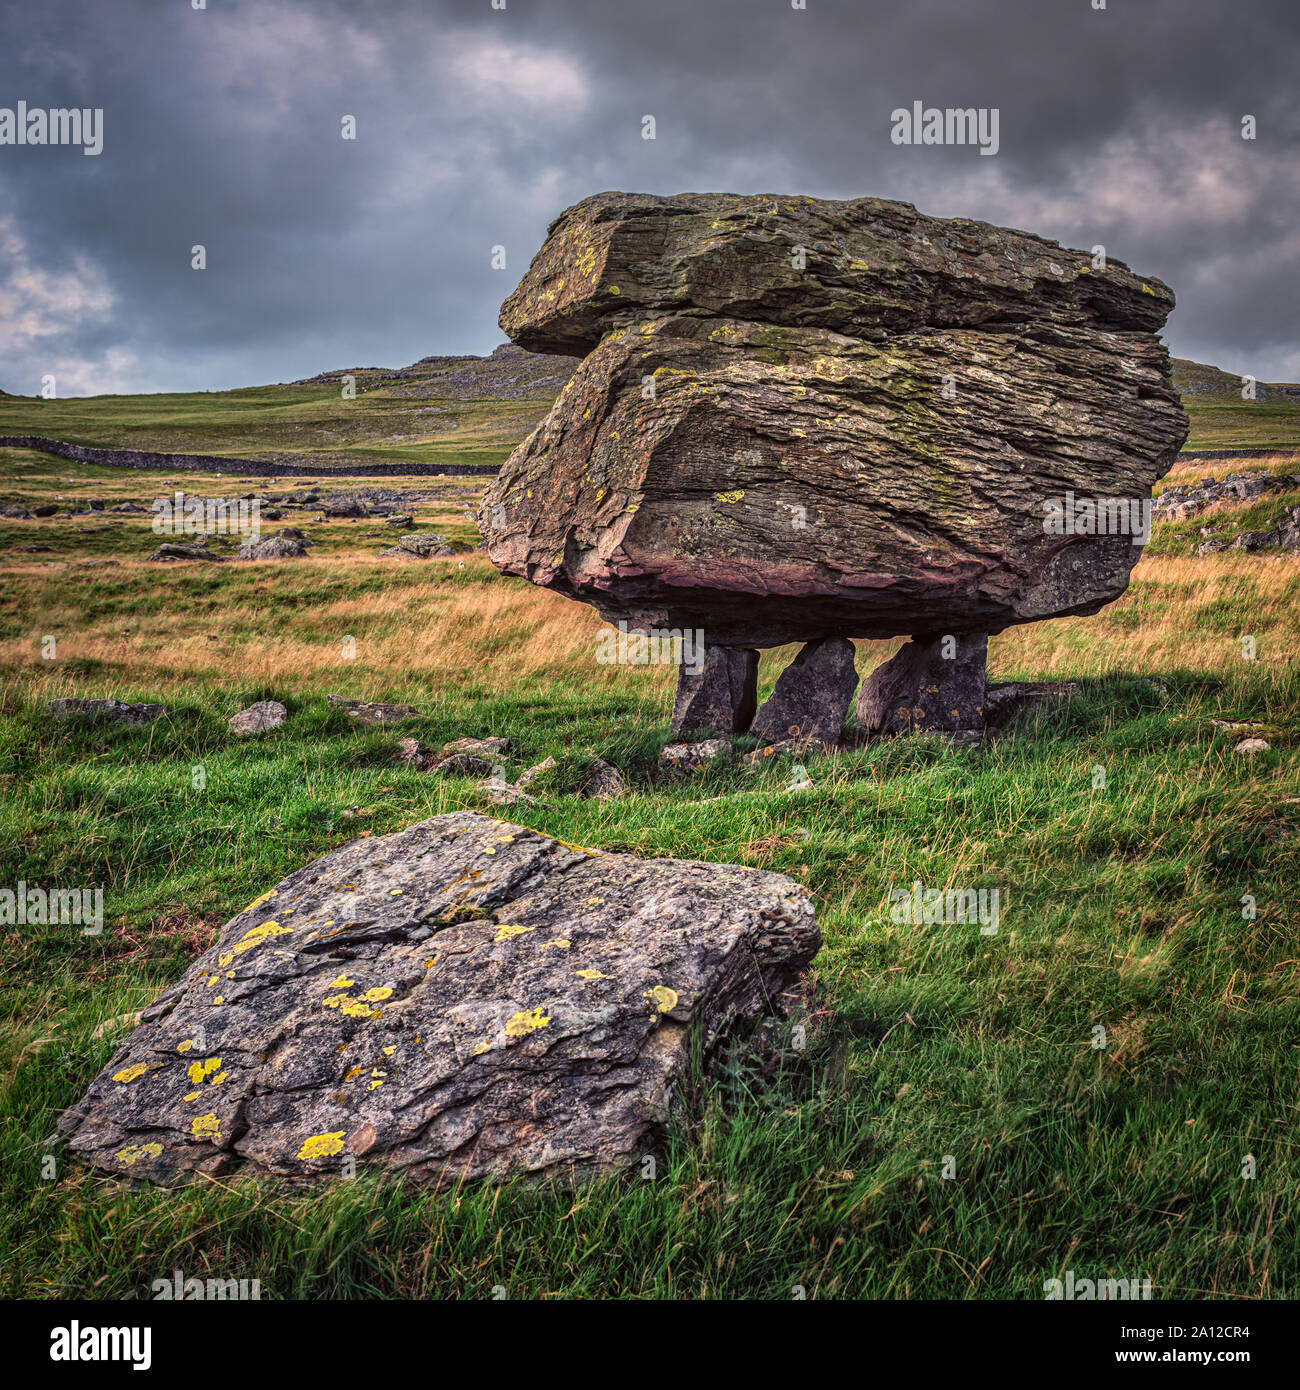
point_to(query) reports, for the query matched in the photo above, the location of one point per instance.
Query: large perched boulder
(460, 999)
(800, 419)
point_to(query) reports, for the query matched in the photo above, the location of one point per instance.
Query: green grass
(1121, 908)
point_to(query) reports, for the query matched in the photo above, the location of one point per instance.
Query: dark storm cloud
(477, 126)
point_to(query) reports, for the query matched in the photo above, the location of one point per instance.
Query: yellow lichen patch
(481, 1048)
(341, 983)
(388, 1051)
(662, 998)
(257, 902)
(205, 1127)
(393, 892)
(526, 1021)
(351, 1072)
(193, 1095)
(198, 1070)
(185, 1046)
(220, 1078)
(506, 931)
(334, 1001)
(431, 962)
(379, 992)
(254, 936)
(356, 1009)
(220, 999)
(730, 496)
(135, 1152)
(225, 958)
(561, 943)
(130, 1073)
(594, 902)
(323, 1145)
(594, 975)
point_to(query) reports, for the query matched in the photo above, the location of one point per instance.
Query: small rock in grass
(1250, 746)
(257, 718)
(371, 711)
(534, 772)
(483, 747)
(272, 548)
(179, 550)
(118, 711)
(604, 782)
(689, 757)
(503, 794)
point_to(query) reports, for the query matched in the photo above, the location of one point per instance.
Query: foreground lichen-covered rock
(463, 998)
(802, 419)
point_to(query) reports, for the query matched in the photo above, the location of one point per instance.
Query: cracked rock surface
(464, 998)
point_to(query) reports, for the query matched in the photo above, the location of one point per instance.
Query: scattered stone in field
(604, 782)
(127, 507)
(257, 718)
(117, 711)
(294, 534)
(535, 772)
(398, 519)
(1211, 547)
(1249, 746)
(502, 793)
(181, 550)
(484, 747)
(15, 513)
(35, 549)
(272, 514)
(372, 711)
(423, 545)
(812, 695)
(1185, 500)
(1233, 724)
(48, 509)
(346, 506)
(460, 765)
(97, 564)
(689, 757)
(455, 764)
(931, 684)
(721, 697)
(463, 999)
(279, 547)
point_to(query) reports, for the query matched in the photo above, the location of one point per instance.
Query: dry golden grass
(433, 626)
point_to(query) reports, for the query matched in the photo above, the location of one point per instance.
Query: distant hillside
(509, 374)
(460, 410)
(1201, 385)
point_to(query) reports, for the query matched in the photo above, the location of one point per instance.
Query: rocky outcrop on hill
(465, 998)
(800, 420)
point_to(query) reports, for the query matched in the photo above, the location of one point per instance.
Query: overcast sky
(476, 126)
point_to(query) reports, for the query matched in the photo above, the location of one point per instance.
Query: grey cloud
(477, 126)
